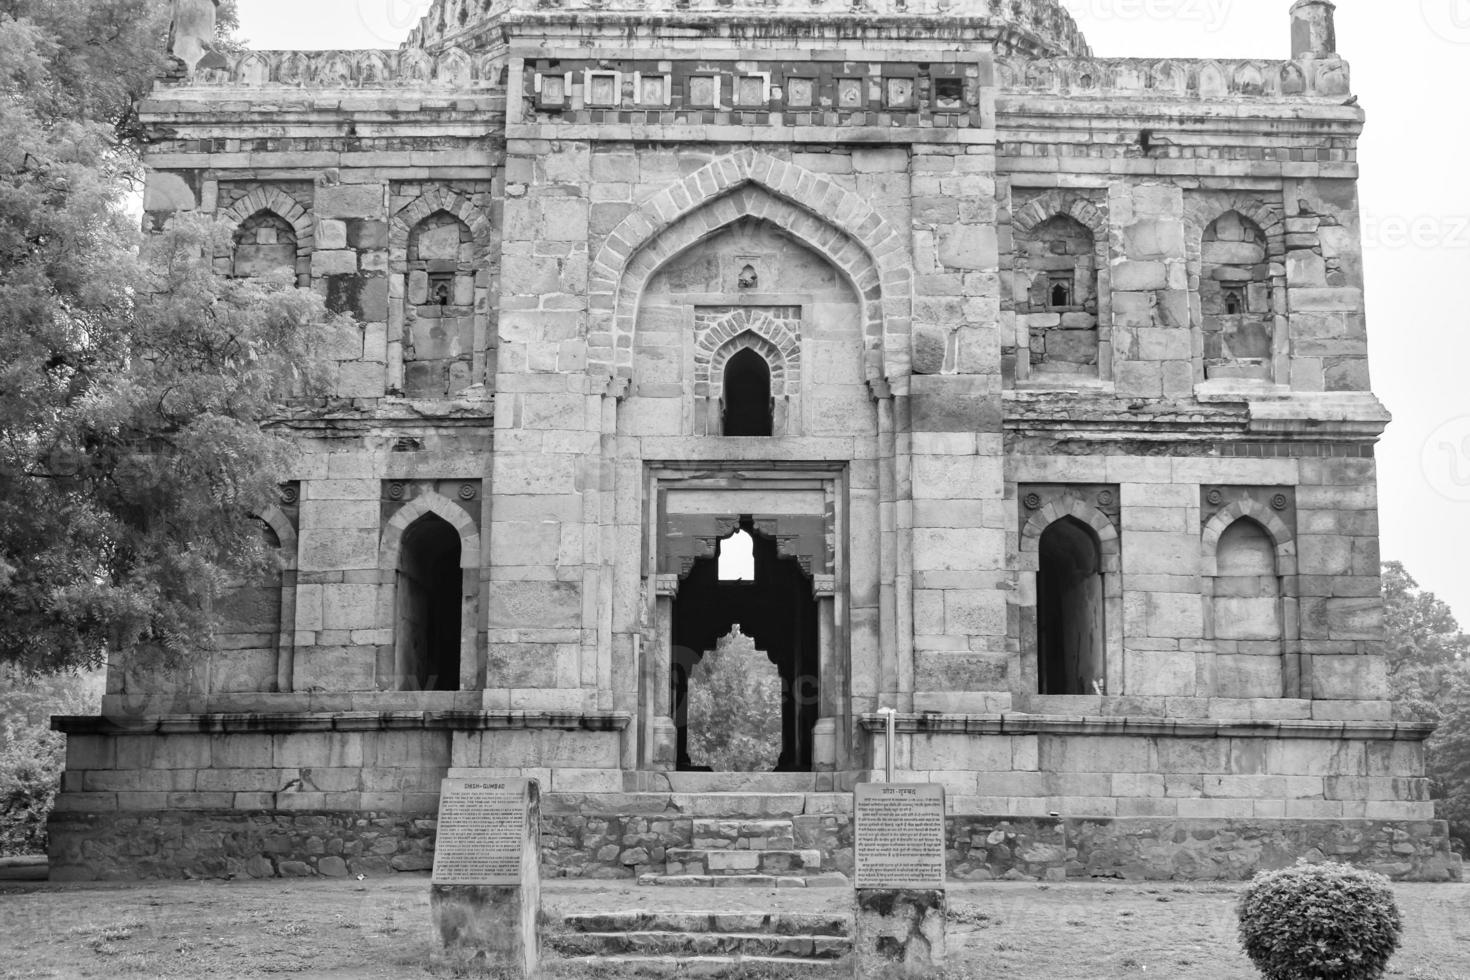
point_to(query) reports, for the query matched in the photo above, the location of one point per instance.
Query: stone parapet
(1162, 79)
(1022, 26)
(448, 68)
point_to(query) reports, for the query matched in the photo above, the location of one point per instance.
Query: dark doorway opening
(775, 608)
(748, 409)
(430, 584)
(1069, 610)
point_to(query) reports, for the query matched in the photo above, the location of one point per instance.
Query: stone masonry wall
(262, 844)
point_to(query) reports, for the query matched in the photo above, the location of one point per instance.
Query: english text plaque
(482, 832)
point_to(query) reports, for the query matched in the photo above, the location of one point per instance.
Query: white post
(888, 753)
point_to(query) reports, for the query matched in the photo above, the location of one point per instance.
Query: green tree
(1425, 647)
(138, 386)
(735, 708)
(1449, 757)
(31, 755)
(1429, 675)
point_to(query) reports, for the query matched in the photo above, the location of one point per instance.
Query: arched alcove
(1247, 615)
(1071, 637)
(264, 245)
(1235, 296)
(746, 408)
(428, 608)
(1059, 259)
(829, 218)
(439, 338)
(439, 308)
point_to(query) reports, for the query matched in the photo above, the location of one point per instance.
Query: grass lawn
(380, 929)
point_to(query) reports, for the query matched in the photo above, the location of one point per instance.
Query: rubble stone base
(219, 844)
(898, 932)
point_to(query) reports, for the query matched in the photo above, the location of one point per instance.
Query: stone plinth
(898, 932)
(489, 926)
(486, 895)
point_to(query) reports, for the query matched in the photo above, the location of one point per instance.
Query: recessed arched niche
(726, 328)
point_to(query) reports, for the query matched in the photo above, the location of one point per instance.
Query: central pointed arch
(822, 215)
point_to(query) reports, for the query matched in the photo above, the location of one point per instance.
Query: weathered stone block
(968, 247)
(351, 201)
(535, 605)
(311, 750)
(337, 263)
(898, 933)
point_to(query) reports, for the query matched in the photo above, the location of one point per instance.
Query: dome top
(1039, 28)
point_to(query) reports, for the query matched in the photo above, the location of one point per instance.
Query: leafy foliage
(1449, 756)
(1425, 646)
(31, 755)
(1429, 674)
(735, 708)
(138, 384)
(1320, 922)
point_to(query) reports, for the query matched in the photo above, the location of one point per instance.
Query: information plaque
(482, 836)
(898, 836)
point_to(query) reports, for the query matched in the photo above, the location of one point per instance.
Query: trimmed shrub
(1320, 922)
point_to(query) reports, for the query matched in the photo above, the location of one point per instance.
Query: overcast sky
(1411, 66)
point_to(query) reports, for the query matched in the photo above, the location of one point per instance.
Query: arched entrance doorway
(774, 606)
(429, 606)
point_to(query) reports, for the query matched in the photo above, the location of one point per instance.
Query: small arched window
(1062, 289)
(747, 390)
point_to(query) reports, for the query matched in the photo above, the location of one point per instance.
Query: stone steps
(732, 944)
(774, 923)
(748, 835)
(714, 966)
(709, 861)
(826, 880)
(655, 942)
(751, 851)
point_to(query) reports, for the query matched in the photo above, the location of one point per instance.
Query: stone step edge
(684, 962)
(831, 925)
(807, 857)
(825, 880)
(670, 936)
(744, 823)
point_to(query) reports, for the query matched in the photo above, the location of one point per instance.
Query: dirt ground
(365, 930)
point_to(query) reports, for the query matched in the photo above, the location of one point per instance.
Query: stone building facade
(1037, 380)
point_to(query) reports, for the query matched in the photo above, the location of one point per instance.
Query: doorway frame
(832, 750)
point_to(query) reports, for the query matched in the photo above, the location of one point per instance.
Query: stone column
(832, 673)
(1313, 30)
(661, 747)
(884, 685)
